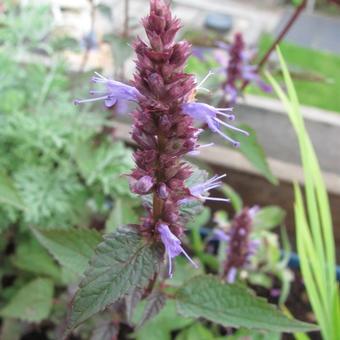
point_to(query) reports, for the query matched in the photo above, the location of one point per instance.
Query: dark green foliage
(122, 262)
(232, 305)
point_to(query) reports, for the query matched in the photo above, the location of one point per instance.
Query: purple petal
(231, 276)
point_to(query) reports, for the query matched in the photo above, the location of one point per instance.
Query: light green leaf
(32, 303)
(11, 329)
(268, 217)
(122, 262)
(253, 151)
(183, 271)
(200, 220)
(235, 199)
(232, 305)
(105, 164)
(195, 225)
(246, 334)
(122, 213)
(195, 332)
(72, 248)
(154, 304)
(8, 193)
(161, 326)
(32, 257)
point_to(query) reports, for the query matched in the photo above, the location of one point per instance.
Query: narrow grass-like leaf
(235, 199)
(315, 240)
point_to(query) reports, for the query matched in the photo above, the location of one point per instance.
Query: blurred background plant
(59, 168)
(61, 184)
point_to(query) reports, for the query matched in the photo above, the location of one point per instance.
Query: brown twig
(279, 38)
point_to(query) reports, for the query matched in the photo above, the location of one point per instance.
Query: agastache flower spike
(114, 91)
(163, 127)
(240, 246)
(172, 246)
(236, 60)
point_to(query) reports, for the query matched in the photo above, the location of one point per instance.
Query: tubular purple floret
(172, 245)
(208, 114)
(198, 190)
(114, 91)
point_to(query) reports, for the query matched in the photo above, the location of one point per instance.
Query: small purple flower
(220, 235)
(142, 186)
(232, 274)
(235, 60)
(114, 91)
(240, 246)
(172, 245)
(199, 190)
(205, 113)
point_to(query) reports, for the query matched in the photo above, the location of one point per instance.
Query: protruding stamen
(80, 101)
(246, 133)
(228, 116)
(232, 141)
(218, 199)
(206, 145)
(195, 265)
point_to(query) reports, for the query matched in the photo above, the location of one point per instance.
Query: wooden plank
(226, 157)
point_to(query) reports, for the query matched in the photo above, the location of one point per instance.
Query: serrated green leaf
(253, 151)
(32, 303)
(232, 305)
(269, 217)
(32, 257)
(122, 262)
(8, 193)
(72, 248)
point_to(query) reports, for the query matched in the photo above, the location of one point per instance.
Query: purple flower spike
(240, 246)
(114, 91)
(198, 190)
(172, 246)
(208, 114)
(236, 61)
